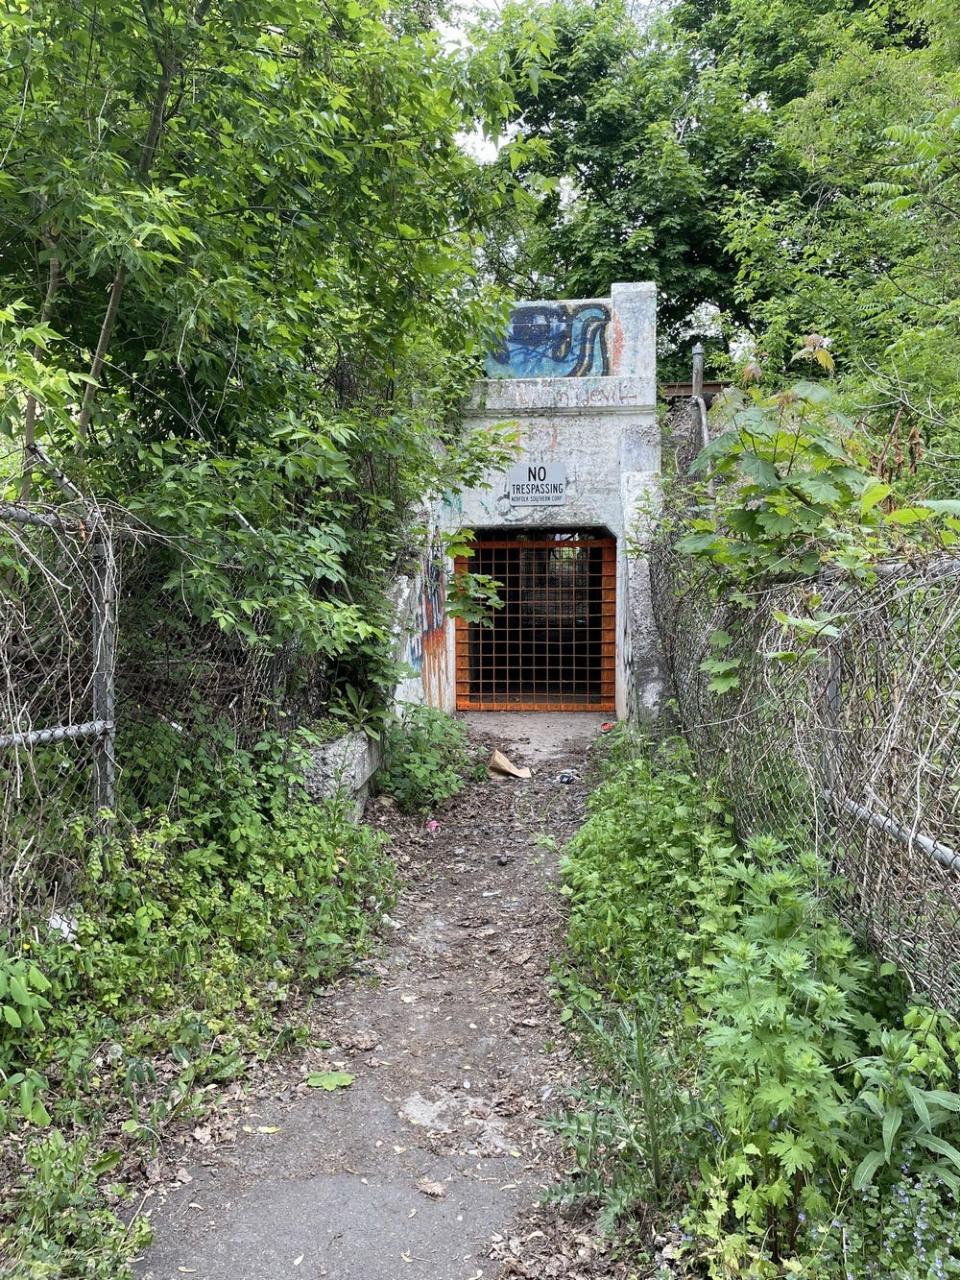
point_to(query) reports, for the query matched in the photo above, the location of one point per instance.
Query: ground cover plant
(187, 950)
(427, 759)
(760, 1075)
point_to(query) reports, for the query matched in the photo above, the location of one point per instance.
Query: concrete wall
(342, 767)
(423, 629)
(588, 414)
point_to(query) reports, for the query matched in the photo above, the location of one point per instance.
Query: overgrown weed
(427, 759)
(756, 1070)
(185, 952)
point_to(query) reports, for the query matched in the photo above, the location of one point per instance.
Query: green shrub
(426, 759)
(628, 1132)
(628, 875)
(781, 984)
(59, 1225)
(175, 962)
(629, 871)
(191, 948)
(751, 1059)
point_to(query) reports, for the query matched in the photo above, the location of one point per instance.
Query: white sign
(537, 484)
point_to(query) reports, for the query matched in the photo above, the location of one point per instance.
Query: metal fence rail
(847, 744)
(107, 676)
(58, 593)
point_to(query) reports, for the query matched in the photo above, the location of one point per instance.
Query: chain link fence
(58, 590)
(110, 685)
(844, 738)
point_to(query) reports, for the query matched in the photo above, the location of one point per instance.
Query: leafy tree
(234, 239)
(644, 146)
(673, 153)
(653, 132)
(865, 250)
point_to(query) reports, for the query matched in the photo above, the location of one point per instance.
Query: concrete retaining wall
(345, 766)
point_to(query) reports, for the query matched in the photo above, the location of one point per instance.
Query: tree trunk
(30, 419)
(147, 153)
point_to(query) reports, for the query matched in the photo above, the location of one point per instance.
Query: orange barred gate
(552, 647)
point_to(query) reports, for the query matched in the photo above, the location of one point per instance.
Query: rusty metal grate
(552, 647)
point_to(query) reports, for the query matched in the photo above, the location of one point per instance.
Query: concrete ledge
(345, 765)
(514, 397)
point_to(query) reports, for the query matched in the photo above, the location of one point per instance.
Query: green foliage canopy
(238, 286)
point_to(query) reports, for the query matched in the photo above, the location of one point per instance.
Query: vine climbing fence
(843, 738)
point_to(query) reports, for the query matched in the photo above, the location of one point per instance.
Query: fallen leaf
(435, 1190)
(330, 1080)
(268, 1128)
(202, 1135)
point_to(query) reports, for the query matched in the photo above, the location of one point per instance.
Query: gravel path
(430, 1165)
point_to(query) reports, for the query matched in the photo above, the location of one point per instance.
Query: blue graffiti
(431, 609)
(553, 340)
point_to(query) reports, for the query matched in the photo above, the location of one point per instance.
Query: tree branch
(30, 417)
(147, 152)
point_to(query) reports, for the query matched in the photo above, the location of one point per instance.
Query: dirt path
(430, 1165)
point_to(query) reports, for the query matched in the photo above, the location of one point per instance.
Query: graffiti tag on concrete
(427, 647)
(553, 340)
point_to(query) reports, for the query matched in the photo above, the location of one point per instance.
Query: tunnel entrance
(552, 647)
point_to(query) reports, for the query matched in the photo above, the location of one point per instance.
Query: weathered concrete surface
(457, 1054)
(338, 1192)
(603, 433)
(345, 765)
(539, 736)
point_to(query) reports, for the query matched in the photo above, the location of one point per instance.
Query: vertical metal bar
(104, 617)
(698, 359)
(831, 717)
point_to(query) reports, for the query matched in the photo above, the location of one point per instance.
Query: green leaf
(942, 1098)
(813, 392)
(39, 1115)
(867, 1168)
(775, 524)
(817, 489)
(18, 989)
(940, 1147)
(908, 515)
(760, 470)
(12, 1017)
(723, 683)
(891, 1125)
(37, 980)
(693, 543)
(109, 1160)
(792, 1152)
(919, 1103)
(874, 493)
(330, 1080)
